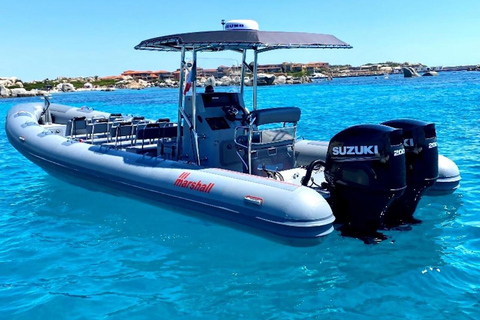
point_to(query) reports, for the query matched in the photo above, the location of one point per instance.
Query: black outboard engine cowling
(421, 154)
(365, 171)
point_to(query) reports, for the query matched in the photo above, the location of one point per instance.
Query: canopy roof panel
(241, 40)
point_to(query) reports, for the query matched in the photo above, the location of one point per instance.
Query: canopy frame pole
(255, 62)
(242, 79)
(193, 70)
(194, 106)
(180, 102)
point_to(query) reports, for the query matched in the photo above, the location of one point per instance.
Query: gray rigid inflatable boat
(274, 206)
(240, 165)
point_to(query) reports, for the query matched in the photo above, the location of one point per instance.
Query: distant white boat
(430, 73)
(317, 77)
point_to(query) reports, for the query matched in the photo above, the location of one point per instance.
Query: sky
(48, 39)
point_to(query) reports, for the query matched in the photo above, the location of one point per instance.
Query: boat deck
(136, 135)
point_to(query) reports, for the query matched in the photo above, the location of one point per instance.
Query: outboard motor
(365, 172)
(420, 141)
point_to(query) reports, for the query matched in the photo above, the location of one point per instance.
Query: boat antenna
(223, 24)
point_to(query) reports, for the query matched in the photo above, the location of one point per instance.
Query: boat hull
(266, 205)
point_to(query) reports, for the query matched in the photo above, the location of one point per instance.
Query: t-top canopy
(241, 40)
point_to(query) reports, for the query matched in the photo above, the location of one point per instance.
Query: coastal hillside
(270, 74)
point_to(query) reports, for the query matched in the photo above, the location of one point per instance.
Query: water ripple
(68, 252)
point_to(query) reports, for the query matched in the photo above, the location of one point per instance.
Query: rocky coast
(12, 87)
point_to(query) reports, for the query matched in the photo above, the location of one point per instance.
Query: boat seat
(269, 149)
(97, 127)
(77, 126)
(153, 131)
(115, 116)
(120, 130)
(136, 120)
(275, 115)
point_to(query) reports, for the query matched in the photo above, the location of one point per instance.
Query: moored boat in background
(318, 77)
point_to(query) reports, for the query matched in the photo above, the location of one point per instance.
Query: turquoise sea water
(68, 252)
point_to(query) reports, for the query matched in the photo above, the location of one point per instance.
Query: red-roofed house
(111, 78)
(148, 75)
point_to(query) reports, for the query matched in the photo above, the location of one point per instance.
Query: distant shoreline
(14, 88)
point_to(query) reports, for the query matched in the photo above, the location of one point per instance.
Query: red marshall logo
(182, 182)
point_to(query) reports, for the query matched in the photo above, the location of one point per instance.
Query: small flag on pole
(191, 78)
